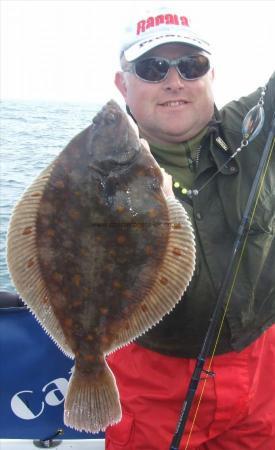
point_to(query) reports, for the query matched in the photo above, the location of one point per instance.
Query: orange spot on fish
(76, 280)
(89, 338)
(30, 263)
(73, 214)
(144, 308)
(27, 231)
(50, 232)
(86, 291)
(121, 239)
(105, 340)
(77, 303)
(148, 250)
(44, 300)
(89, 358)
(68, 322)
(176, 251)
(59, 184)
(152, 213)
(117, 284)
(127, 294)
(138, 226)
(177, 226)
(36, 194)
(140, 173)
(57, 277)
(108, 268)
(120, 209)
(104, 311)
(163, 280)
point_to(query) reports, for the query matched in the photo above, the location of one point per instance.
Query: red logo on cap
(167, 19)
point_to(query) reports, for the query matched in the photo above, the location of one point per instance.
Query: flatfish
(99, 255)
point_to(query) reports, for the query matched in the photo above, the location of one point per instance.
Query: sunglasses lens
(152, 69)
(194, 66)
(155, 69)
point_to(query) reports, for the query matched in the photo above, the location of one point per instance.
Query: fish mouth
(174, 103)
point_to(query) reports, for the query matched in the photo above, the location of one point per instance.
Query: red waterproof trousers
(237, 411)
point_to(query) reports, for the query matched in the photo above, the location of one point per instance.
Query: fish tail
(92, 403)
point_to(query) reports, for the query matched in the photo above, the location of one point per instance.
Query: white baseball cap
(162, 25)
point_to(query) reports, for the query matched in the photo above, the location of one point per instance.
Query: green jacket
(216, 214)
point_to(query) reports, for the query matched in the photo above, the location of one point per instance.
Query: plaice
(99, 255)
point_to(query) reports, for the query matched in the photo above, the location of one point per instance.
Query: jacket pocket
(121, 435)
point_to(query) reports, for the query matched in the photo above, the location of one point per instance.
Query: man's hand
(167, 184)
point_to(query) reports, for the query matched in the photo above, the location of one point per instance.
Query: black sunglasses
(155, 69)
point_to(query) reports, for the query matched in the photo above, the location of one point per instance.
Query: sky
(67, 50)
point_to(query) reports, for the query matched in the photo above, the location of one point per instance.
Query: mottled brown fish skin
(97, 236)
(100, 256)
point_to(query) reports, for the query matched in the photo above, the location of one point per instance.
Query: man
(166, 81)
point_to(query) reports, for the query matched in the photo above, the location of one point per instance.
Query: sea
(32, 134)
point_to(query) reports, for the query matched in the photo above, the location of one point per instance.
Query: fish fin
(171, 281)
(23, 260)
(92, 402)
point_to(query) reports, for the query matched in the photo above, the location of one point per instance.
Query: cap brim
(141, 47)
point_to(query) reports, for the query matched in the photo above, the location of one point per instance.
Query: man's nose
(173, 80)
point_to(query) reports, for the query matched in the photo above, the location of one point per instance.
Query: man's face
(173, 110)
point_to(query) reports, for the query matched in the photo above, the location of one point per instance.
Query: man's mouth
(174, 103)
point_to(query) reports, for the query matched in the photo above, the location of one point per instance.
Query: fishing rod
(252, 125)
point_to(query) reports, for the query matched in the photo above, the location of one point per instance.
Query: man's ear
(120, 83)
